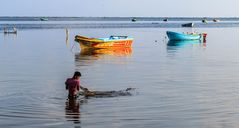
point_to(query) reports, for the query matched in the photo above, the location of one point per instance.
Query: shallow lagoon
(181, 85)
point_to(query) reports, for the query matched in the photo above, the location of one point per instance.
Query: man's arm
(84, 89)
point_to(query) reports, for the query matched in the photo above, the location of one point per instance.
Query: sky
(121, 8)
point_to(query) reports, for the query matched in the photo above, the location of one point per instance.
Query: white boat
(11, 31)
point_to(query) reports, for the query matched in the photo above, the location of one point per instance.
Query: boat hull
(98, 43)
(13, 32)
(181, 36)
(182, 42)
(188, 25)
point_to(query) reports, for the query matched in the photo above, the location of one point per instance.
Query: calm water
(187, 84)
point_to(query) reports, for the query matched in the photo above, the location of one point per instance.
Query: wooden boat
(204, 21)
(10, 32)
(111, 42)
(188, 25)
(13, 31)
(185, 36)
(44, 19)
(134, 20)
(165, 20)
(216, 20)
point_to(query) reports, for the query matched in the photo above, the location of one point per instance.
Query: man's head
(77, 75)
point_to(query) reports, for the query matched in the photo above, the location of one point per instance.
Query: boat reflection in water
(112, 55)
(112, 52)
(174, 47)
(183, 43)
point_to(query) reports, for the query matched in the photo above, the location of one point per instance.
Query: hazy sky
(168, 8)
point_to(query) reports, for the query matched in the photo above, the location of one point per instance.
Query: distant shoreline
(115, 22)
(52, 18)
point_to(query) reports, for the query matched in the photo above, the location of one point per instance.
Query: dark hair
(77, 74)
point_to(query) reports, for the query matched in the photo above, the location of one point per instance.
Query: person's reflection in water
(72, 110)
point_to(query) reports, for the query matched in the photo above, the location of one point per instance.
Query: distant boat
(166, 19)
(134, 20)
(216, 20)
(204, 21)
(11, 31)
(185, 36)
(188, 25)
(110, 42)
(44, 19)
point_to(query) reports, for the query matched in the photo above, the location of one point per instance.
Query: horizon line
(127, 16)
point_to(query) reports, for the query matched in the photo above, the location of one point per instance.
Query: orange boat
(111, 42)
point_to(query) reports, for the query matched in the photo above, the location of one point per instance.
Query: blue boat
(181, 36)
(182, 42)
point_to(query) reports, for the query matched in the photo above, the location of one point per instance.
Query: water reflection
(182, 42)
(179, 44)
(72, 111)
(88, 56)
(112, 52)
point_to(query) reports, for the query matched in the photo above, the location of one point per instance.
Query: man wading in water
(73, 85)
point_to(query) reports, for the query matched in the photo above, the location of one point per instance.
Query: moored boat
(10, 31)
(216, 20)
(188, 25)
(204, 21)
(44, 19)
(165, 20)
(110, 42)
(185, 36)
(134, 20)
